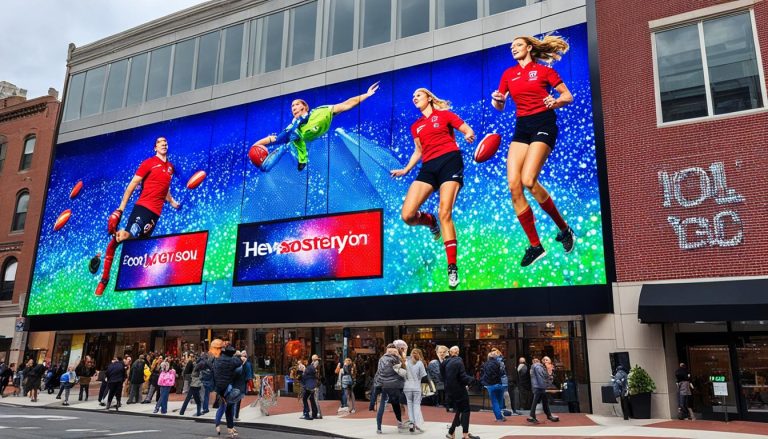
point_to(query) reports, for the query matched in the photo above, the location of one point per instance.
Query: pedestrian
(347, 373)
(375, 392)
(166, 380)
(85, 372)
(308, 384)
(187, 373)
(319, 389)
(524, 384)
(205, 365)
(571, 394)
(391, 375)
(416, 371)
(67, 382)
(241, 380)
(195, 384)
(684, 387)
(491, 380)
(115, 375)
(433, 369)
(33, 375)
(456, 381)
(154, 387)
(224, 369)
(541, 380)
(136, 380)
(509, 381)
(6, 377)
(620, 390)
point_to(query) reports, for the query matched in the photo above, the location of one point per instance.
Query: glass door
(706, 361)
(752, 354)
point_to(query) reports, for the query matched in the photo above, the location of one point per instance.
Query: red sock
(549, 206)
(450, 251)
(529, 225)
(424, 219)
(108, 256)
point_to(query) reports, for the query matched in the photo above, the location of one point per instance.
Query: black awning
(704, 301)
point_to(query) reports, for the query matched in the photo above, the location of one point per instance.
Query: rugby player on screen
(305, 127)
(154, 175)
(528, 84)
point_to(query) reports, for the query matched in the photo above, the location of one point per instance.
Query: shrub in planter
(640, 386)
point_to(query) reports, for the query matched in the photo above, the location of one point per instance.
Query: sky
(36, 34)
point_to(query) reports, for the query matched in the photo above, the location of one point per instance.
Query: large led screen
(348, 172)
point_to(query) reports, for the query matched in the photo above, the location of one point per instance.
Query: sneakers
(101, 287)
(553, 418)
(434, 229)
(532, 254)
(402, 426)
(453, 276)
(565, 237)
(533, 420)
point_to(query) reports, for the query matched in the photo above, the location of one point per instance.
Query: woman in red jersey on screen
(528, 84)
(442, 170)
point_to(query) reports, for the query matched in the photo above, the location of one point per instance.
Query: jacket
(309, 377)
(390, 372)
(540, 379)
(455, 378)
(433, 370)
(195, 381)
(115, 372)
(523, 377)
(224, 369)
(416, 372)
(137, 372)
(491, 373)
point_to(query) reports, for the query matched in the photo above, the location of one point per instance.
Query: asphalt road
(28, 423)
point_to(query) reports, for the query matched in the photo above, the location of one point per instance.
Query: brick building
(26, 141)
(684, 104)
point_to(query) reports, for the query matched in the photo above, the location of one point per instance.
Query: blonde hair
(418, 354)
(548, 49)
(440, 104)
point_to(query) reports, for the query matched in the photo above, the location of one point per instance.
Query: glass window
(377, 19)
(3, 152)
(732, 80)
(450, 12)
(29, 150)
(20, 214)
(413, 17)
(303, 25)
(94, 88)
(137, 79)
(272, 42)
(753, 373)
(183, 60)
(496, 6)
(113, 97)
(232, 53)
(207, 56)
(74, 97)
(342, 27)
(159, 66)
(9, 278)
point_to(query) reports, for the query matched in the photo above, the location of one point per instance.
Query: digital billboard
(213, 186)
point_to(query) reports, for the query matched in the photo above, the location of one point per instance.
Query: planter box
(641, 405)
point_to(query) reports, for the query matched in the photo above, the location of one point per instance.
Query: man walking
(524, 384)
(456, 381)
(136, 379)
(115, 375)
(541, 379)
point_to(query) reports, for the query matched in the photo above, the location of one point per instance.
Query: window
(159, 66)
(497, 6)
(413, 17)
(232, 53)
(183, 60)
(207, 57)
(271, 53)
(303, 25)
(74, 96)
(708, 68)
(93, 92)
(137, 80)
(342, 27)
(113, 96)
(3, 152)
(450, 12)
(8, 279)
(377, 19)
(29, 149)
(20, 215)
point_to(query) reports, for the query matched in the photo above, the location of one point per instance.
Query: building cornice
(15, 246)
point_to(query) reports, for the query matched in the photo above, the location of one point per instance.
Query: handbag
(233, 395)
(337, 386)
(427, 388)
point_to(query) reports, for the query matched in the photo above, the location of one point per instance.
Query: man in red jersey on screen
(154, 175)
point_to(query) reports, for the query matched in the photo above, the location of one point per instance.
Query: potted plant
(641, 386)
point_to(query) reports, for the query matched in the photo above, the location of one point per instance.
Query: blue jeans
(392, 396)
(163, 403)
(375, 392)
(192, 393)
(496, 395)
(206, 398)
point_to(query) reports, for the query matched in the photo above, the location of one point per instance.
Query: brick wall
(646, 243)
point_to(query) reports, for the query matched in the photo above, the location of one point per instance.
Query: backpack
(619, 385)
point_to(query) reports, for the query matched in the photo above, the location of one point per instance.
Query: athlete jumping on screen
(442, 171)
(528, 84)
(305, 127)
(154, 174)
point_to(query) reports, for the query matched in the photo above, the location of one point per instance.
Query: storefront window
(706, 361)
(753, 372)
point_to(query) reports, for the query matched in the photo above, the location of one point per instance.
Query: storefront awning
(704, 301)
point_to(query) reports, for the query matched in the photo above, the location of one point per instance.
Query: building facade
(685, 131)
(26, 144)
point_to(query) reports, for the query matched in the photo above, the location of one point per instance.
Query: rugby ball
(258, 154)
(62, 219)
(195, 180)
(487, 147)
(76, 190)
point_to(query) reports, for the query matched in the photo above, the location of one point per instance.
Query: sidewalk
(362, 424)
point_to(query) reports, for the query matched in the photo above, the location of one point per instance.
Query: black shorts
(539, 127)
(447, 167)
(142, 222)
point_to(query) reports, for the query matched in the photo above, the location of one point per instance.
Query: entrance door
(706, 361)
(752, 354)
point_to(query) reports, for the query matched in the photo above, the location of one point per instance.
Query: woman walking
(415, 372)
(391, 375)
(166, 380)
(347, 372)
(224, 369)
(529, 84)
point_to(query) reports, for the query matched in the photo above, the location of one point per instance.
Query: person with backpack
(621, 390)
(491, 380)
(195, 384)
(204, 368)
(67, 382)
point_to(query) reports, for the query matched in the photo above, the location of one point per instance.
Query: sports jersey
(528, 86)
(435, 133)
(156, 181)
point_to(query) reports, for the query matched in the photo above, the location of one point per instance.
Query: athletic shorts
(142, 222)
(447, 167)
(539, 127)
(318, 124)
